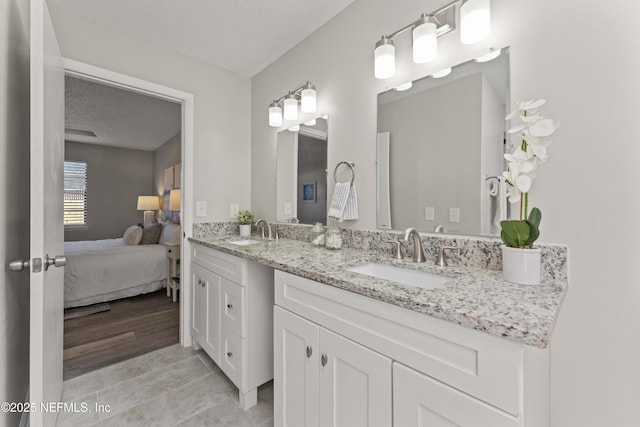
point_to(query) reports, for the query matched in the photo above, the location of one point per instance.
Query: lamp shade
(174, 200)
(291, 107)
(308, 99)
(475, 21)
(425, 41)
(148, 203)
(384, 59)
(275, 115)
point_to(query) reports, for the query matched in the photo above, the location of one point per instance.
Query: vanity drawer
(232, 356)
(228, 266)
(233, 307)
(482, 365)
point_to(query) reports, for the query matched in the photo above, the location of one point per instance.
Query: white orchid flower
(522, 106)
(543, 128)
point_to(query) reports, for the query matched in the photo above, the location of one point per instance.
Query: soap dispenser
(316, 235)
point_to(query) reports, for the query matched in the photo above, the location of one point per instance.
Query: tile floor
(173, 386)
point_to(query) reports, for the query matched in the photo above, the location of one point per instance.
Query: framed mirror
(440, 151)
(301, 173)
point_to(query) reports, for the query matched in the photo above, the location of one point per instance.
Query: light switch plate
(201, 208)
(429, 213)
(454, 214)
(234, 208)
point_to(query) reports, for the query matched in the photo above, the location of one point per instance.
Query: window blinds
(75, 193)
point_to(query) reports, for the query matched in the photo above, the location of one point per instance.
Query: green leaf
(515, 233)
(535, 216)
(534, 226)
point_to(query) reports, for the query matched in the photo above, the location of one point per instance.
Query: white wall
(587, 191)
(222, 132)
(14, 203)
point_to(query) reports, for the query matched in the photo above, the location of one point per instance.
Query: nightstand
(173, 270)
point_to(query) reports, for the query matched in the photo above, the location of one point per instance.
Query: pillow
(132, 235)
(170, 233)
(151, 234)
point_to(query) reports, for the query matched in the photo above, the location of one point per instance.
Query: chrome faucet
(261, 222)
(441, 261)
(418, 250)
(293, 220)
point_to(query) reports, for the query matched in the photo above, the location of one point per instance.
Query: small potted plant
(245, 219)
(520, 259)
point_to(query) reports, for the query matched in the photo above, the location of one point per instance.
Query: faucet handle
(441, 260)
(397, 249)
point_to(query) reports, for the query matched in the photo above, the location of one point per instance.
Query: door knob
(18, 265)
(58, 261)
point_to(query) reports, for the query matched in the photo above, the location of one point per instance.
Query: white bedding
(101, 270)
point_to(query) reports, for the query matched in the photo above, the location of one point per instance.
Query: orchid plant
(534, 131)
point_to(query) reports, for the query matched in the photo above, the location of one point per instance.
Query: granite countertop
(476, 298)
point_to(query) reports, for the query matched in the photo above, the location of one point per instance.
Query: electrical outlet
(429, 213)
(454, 214)
(234, 208)
(287, 208)
(201, 208)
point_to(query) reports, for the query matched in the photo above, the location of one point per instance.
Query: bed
(104, 270)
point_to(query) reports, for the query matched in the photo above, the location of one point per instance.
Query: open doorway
(152, 140)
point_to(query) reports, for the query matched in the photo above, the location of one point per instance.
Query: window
(75, 194)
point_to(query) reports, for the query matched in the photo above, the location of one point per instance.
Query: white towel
(501, 200)
(344, 203)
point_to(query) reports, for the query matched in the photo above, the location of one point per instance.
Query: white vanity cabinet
(232, 317)
(327, 379)
(389, 366)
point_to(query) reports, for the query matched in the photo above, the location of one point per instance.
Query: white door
(296, 370)
(47, 229)
(355, 384)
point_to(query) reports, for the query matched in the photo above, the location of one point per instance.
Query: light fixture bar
(306, 93)
(444, 18)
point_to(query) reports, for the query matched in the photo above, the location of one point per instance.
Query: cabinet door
(206, 310)
(355, 384)
(296, 370)
(421, 401)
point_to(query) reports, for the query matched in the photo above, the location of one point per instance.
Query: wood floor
(133, 326)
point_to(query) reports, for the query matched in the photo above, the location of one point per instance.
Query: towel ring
(351, 166)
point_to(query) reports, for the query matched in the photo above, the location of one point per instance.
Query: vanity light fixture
(493, 54)
(305, 93)
(442, 73)
(311, 122)
(294, 128)
(475, 25)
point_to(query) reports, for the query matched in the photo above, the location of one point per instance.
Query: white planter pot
(521, 266)
(245, 230)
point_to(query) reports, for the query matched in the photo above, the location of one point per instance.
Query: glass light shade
(488, 56)
(308, 99)
(425, 42)
(275, 115)
(311, 122)
(384, 59)
(291, 108)
(294, 128)
(442, 73)
(475, 21)
(404, 86)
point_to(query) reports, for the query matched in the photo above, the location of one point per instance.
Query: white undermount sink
(401, 275)
(245, 242)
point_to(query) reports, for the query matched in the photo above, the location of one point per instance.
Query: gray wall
(167, 155)
(588, 183)
(312, 167)
(14, 203)
(115, 179)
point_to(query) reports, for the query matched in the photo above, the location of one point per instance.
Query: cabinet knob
(309, 351)
(323, 359)
(229, 305)
(229, 354)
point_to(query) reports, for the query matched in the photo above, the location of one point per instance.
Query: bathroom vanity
(353, 349)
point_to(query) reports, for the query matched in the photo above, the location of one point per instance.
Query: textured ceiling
(243, 36)
(119, 118)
